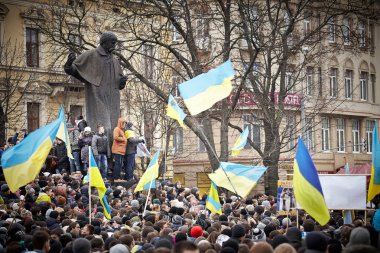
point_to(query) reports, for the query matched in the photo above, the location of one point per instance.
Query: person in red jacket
(118, 147)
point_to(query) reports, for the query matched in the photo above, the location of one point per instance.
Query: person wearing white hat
(85, 140)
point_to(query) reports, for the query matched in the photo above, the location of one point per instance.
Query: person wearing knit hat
(238, 232)
(359, 235)
(315, 242)
(118, 248)
(196, 231)
(82, 245)
(258, 235)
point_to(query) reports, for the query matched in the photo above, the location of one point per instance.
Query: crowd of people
(53, 213)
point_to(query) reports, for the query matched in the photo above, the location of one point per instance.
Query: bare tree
(187, 38)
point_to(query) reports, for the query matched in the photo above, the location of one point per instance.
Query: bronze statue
(101, 72)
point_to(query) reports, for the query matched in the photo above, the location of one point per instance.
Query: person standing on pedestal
(118, 148)
(101, 149)
(131, 150)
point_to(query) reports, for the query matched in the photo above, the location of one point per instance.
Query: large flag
(240, 142)
(203, 91)
(149, 178)
(175, 112)
(240, 179)
(374, 184)
(212, 202)
(63, 134)
(22, 163)
(96, 180)
(307, 188)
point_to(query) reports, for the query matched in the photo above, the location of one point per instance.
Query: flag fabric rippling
(149, 177)
(374, 184)
(307, 187)
(203, 91)
(212, 202)
(63, 134)
(240, 179)
(240, 142)
(175, 112)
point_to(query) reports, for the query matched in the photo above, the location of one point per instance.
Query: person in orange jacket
(118, 147)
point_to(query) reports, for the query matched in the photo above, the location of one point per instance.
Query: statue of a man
(101, 72)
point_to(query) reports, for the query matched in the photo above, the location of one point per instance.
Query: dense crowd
(52, 214)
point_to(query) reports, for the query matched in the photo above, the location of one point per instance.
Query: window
(372, 37)
(176, 80)
(346, 27)
(202, 35)
(340, 135)
(355, 135)
(176, 36)
(290, 131)
(253, 125)
(309, 140)
(333, 83)
(363, 86)
(33, 116)
(331, 27)
(289, 82)
(373, 87)
(361, 33)
(348, 84)
(32, 47)
(178, 139)
(320, 80)
(306, 24)
(325, 134)
(309, 81)
(148, 61)
(370, 124)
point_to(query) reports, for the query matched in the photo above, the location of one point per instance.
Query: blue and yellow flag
(23, 162)
(374, 183)
(203, 91)
(212, 202)
(175, 112)
(63, 134)
(240, 142)
(96, 180)
(307, 188)
(240, 179)
(151, 173)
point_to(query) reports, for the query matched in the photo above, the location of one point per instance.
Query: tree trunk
(271, 157)
(2, 127)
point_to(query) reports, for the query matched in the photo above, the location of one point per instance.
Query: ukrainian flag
(22, 163)
(175, 112)
(96, 180)
(212, 202)
(307, 188)
(237, 178)
(63, 134)
(150, 174)
(203, 91)
(374, 184)
(240, 142)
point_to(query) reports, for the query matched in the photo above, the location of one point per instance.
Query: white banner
(344, 191)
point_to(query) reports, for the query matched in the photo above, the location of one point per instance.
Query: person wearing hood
(118, 147)
(52, 221)
(85, 141)
(101, 150)
(131, 150)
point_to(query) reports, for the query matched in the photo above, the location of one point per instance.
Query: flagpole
(89, 183)
(166, 136)
(147, 197)
(298, 223)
